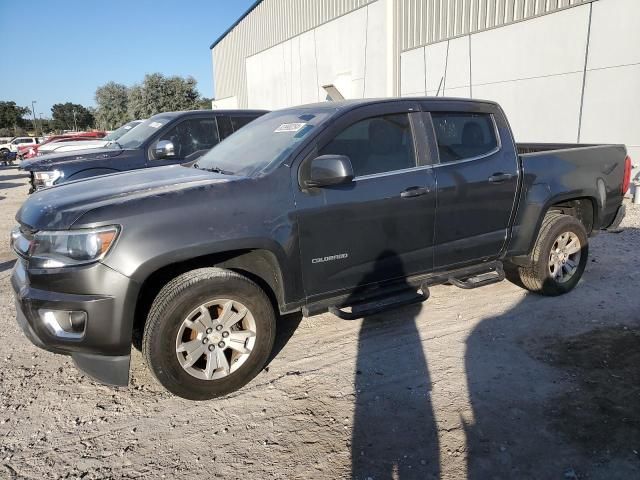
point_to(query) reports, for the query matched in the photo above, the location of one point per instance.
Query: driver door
(380, 225)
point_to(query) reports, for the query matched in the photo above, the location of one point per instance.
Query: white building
(563, 70)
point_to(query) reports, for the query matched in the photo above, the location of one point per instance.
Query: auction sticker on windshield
(289, 127)
(155, 124)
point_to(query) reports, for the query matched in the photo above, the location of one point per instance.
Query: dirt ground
(492, 383)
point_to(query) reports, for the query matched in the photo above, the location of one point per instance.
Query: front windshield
(264, 142)
(135, 137)
(119, 132)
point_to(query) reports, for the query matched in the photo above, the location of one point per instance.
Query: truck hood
(52, 161)
(57, 208)
(73, 146)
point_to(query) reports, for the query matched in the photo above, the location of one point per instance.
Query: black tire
(537, 278)
(172, 305)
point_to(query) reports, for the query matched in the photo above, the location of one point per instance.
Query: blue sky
(63, 50)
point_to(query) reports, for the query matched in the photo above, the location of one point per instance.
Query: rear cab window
(464, 135)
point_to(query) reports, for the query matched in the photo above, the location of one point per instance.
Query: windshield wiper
(111, 142)
(213, 169)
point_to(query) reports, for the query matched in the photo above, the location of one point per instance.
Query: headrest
(472, 135)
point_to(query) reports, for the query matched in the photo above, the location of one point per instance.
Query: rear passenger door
(379, 226)
(477, 180)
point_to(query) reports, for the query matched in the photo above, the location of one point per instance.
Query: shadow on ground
(553, 386)
(5, 185)
(394, 429)
(7, 265)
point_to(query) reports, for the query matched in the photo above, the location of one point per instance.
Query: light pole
(75, 125)
(41, 127)
(33, 110)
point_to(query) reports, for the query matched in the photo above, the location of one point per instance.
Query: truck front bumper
(102, 346)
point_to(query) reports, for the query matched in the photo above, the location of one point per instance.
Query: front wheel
(559, 256)
(208, 333)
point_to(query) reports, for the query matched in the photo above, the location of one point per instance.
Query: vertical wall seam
(315, 54)
(470, 74)
(366, 46)
(424, 59)
(446, 63)
(584, 73)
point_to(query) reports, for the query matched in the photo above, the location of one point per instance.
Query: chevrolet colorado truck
(354, 207)
(164, 139)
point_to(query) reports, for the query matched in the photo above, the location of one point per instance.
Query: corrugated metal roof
(219, 39)
(265, 24)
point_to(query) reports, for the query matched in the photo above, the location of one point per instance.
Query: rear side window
(376, 145)
(224, 126)
(462, 136)
(239, 122)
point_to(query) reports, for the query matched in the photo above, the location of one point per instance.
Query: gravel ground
(488, 383)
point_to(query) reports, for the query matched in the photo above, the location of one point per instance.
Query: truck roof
(353, 103)
(216, 111)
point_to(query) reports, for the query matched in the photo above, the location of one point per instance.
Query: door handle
(500, 177)
(414, 192)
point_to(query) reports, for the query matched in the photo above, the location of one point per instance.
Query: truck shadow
(394, 430)
(553, 382)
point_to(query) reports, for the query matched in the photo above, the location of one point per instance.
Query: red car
(31, 151)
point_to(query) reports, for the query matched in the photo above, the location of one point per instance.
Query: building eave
(235, 24)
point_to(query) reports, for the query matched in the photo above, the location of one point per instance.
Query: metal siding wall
(431, 21)
(270, 23)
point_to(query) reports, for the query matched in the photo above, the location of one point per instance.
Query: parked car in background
(164, 139)
(80, 143)
(30, 151)
(27, 152)
(362, 204)
(16, 142)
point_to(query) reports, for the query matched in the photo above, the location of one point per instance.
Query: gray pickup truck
(353, 207)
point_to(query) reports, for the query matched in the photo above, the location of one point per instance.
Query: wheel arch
(583, 206)
(259, 265)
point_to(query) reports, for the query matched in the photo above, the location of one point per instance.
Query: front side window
(376, 145)
(464, 135)
(192, 136)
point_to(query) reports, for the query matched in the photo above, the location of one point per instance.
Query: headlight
(47, 179)
(64, 248)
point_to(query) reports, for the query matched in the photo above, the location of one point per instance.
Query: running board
(480, 280)
(382, 304)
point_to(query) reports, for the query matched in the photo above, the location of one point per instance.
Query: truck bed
(555, 172)
(525, 148)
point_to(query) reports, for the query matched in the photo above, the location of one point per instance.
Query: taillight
(626, 179)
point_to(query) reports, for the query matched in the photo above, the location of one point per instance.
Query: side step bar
(481, 280)
(382, 304)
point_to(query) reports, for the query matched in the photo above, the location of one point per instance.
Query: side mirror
(327, 170)
(164, 149)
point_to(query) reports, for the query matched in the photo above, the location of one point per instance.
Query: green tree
(63, 116)
(158, 94)
(11, 115)
(112, 101)
(204, 103)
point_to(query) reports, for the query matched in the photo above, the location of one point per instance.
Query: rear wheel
(559, 256)
(208, 333)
